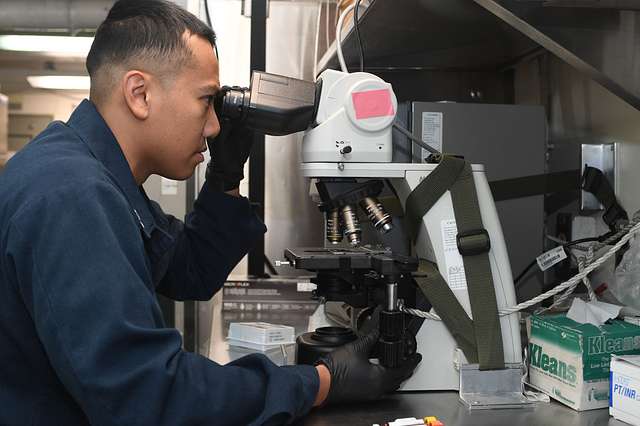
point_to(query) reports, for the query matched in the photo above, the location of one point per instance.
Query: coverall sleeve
(215, 236)
(81, 271)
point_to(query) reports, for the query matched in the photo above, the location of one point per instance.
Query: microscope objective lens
(334, 227)
(351, 225)
(379, 218)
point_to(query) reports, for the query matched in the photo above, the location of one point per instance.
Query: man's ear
(136, 93)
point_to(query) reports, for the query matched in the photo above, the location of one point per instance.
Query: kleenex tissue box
(569, 361)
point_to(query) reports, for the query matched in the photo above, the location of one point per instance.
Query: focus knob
(346, 150)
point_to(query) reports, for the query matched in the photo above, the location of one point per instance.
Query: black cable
(583, 240)
(206, 11)
(524, 272)
(356, 25)
(566, 245)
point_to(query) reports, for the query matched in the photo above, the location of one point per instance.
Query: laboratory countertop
(444, 405)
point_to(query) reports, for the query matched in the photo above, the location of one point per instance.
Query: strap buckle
(613, 214)
(473, 242)
(591, 179)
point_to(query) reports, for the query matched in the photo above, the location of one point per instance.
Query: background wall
(292, 218)
(31, 112)
(59, 104)
(581, 111)
(233, 33)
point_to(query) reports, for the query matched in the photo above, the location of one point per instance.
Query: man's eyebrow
(210, 89)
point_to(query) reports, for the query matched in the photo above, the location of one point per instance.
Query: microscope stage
(381, 260)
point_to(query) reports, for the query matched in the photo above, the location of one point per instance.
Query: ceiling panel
(16, 66)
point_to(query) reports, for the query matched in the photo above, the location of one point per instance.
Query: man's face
(184, 117)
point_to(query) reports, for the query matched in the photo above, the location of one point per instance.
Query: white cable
(343, 65)
(573, 282)
(338, 6)
(317, 41)
(326, 24)
(587, 282)
(421, 314)
(561, 299)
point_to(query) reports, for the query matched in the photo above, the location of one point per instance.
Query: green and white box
(569, 361)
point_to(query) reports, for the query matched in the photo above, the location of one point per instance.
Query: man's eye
(209, 99)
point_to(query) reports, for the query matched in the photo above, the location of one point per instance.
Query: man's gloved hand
(229, 151)
(354, 378)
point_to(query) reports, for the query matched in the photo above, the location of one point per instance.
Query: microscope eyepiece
(232, 103)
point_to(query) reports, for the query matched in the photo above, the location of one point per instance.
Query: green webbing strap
(421, 199)
(471, 238)
(437, 291)
(473, 243)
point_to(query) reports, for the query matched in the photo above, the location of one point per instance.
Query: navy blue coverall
(83, 253)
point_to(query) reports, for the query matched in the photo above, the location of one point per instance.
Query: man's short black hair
(143, 34)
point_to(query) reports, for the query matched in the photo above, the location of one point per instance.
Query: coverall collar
(87, 122)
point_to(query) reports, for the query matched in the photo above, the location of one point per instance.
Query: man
(84, 251)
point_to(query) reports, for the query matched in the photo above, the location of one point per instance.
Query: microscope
(347, 154)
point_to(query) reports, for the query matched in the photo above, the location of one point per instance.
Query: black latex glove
(229, 151)
(354, 378)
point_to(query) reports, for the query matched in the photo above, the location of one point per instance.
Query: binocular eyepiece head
(274, 105)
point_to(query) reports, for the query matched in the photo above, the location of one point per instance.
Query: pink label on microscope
(372, 103)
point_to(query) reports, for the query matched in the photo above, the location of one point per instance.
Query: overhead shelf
(602, 43)
(430, 34)
(484, 35)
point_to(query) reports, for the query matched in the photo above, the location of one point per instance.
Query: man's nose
(212, 126)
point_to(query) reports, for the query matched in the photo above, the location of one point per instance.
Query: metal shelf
(602, 43)
(485, 35)
(431, 34)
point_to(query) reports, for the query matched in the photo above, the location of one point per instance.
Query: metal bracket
(245, 8)
(492, 389)
(602, 157)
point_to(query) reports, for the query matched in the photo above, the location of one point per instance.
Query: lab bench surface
(446, 407)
